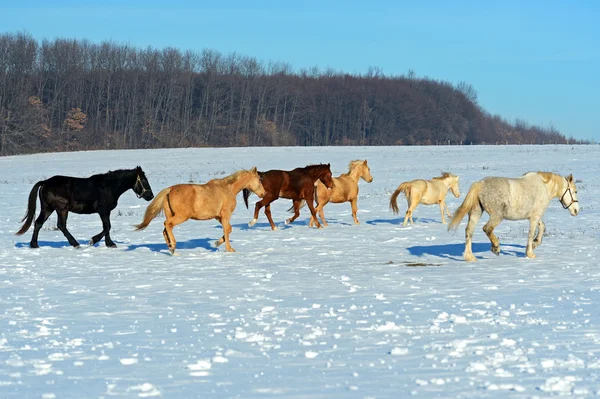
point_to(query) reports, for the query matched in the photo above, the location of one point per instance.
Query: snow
(370, 311)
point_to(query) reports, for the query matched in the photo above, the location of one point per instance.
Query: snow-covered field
(375, 310)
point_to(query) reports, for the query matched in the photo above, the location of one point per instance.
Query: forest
(69, 94)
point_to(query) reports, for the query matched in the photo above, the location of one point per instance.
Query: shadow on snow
(455, 251)
(205, 243)
(399, 221)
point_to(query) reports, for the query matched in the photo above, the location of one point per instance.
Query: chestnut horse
(526, 197)
(427, 192)
(297, 185)
(345, 189)
(215, 199)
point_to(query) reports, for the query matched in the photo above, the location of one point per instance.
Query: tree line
(60, 95)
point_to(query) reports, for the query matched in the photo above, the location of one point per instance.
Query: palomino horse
(426, 192)
(297, 185)
(526, 197)
(215, 199)
(345, 189)
(95, 194)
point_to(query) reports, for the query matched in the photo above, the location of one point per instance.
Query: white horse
(427, 192)
(526, 197)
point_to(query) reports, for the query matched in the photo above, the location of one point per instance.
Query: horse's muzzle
(148, 195)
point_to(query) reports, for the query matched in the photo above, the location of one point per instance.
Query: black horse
(95, 194)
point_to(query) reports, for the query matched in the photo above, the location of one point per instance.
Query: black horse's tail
(28, 218)
(246, 195)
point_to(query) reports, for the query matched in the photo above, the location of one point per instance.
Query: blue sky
(534, 60)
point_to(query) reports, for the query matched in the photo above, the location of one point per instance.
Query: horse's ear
(329, 165)
(138, 168)
(365, 162)
(570, 178)
(253, 170)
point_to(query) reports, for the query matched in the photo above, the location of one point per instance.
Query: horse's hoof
(287, 221)
(470, 258)
(34, 246)
(530, 255)
(112, 245)
(275, 228)
(496, 251)
(230, 250)
(252, 223)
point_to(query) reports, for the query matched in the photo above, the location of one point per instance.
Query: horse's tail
(246, 194)
(470, 202)
(302, 203)
(403, 188)
(28, 218)
(154, 208)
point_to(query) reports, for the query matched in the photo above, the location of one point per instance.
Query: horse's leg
(447, 210)
(488, 228)
(106, 224)
(227, 229)
(412, 204)
(442, 206)
(296, 212)
(104, 233)
(321, 214)
(319, 211)
(268, 214)
(533, 225)
(354, 204)
(538, 238)
(311, 206)
(474, 216)
(222, 239)
(62, 225)
(45, 213)
(263, 202)
(168, 231)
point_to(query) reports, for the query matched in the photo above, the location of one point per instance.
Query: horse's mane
(232, 177)
(444, 175)
(547, 177)
(354, 164)
(316, 166)
(114, 173)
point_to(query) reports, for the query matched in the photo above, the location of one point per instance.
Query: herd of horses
(525, 197)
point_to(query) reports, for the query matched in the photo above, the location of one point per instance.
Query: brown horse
(345, 189)
(428, 192)
(297, 185)
(215, 199)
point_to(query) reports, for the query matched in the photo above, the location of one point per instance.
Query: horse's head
(366, 172)
(453, 180)
(569, 198)
(325, 176)
(254, 185)
(142, 188)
